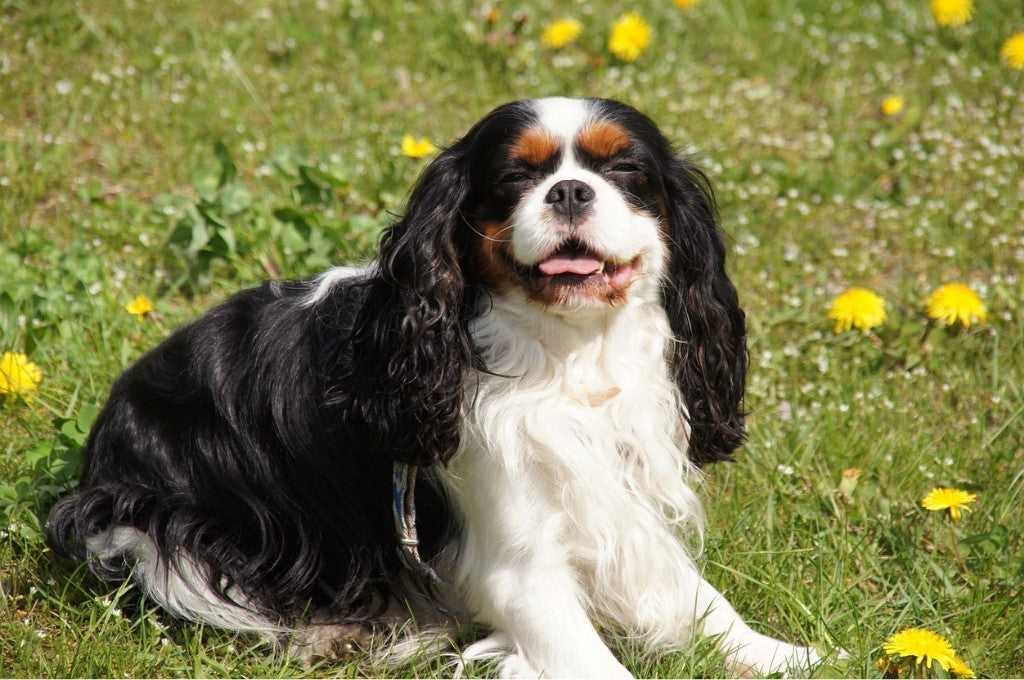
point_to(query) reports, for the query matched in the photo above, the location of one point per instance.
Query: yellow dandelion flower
(952, 12)
(560, 33)
(687, 4)
(857, 308)
(631, 35)
(18, 375)
(1013, 51)
(960, 669)
(956, 302)
(923, 645)
(140, 306)
(893, 105)
(417, 148)
(956, 501)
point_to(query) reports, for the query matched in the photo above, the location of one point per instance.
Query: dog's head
(569, 206)
(577, 206)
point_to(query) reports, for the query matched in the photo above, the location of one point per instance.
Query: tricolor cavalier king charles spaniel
(548, 338)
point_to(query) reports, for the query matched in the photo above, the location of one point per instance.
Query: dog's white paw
(756, 655)
(516, 666)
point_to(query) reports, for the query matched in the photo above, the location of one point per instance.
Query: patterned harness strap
(403, 494)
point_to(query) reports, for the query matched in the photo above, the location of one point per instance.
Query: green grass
(186, 149)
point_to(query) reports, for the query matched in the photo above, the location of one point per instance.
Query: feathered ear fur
(410, 346)
(710, 356)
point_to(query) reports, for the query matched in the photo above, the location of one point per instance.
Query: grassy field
(184, 149)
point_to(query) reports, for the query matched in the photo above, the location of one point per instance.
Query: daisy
(857, 308)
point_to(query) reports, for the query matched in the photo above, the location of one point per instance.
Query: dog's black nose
(570, 197)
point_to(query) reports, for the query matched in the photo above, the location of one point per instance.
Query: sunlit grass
(120, 120)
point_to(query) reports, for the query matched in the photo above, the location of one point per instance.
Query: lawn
(184, 149)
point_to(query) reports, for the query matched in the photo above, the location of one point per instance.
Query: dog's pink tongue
(571, 264)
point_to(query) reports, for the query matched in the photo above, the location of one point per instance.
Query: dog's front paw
(516, 666)
(756, 655)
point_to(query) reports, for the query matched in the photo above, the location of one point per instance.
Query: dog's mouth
(573, 264)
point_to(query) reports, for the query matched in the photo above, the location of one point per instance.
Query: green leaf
(87, 416)
(70, 430)
(207, 181)
(322, 178)
(235, 198)
(287, 159)
(8, 319)
(223, 243)
(39, 452)
(228, 171)
(200, 236)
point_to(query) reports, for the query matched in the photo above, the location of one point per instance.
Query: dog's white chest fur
(573, 467)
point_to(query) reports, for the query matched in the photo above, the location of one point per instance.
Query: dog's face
(570, 207)
(575, 206)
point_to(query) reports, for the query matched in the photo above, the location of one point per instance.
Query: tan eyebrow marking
(603, 138)
(535, 146)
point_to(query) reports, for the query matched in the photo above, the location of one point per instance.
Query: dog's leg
(516, 572)
(749, 653)
(659, 592)
(536, 604)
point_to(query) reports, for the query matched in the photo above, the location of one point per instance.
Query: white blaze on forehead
(611, 226)
(563, 118)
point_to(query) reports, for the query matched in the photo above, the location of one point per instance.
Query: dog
(501, 420)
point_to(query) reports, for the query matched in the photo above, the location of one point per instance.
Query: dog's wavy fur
(242, 469)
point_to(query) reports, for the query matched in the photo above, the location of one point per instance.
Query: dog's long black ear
(410, 346)
(710, 354)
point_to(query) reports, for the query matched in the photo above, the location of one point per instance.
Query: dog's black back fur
(174, 454)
